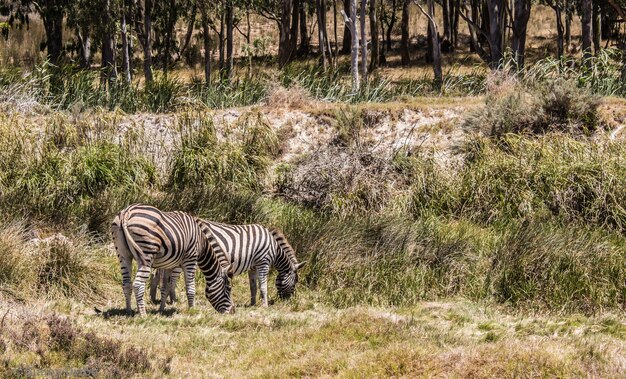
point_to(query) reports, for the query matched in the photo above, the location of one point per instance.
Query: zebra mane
(212, 244)
(284, 245)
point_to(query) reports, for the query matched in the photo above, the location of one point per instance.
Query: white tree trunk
(354, 59)
(363, 41)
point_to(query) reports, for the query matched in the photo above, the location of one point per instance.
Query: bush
(238, 163)
(556, 106)
(340, 180)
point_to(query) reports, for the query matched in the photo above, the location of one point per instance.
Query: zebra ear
(300, 265)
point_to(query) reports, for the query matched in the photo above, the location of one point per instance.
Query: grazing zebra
(167, 240)
(254, 249)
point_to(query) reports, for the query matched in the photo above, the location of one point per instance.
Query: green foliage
(201, 160)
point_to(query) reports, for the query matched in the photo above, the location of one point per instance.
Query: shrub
(238, 162)
(569, 269)
(340, 180)
(556, 106)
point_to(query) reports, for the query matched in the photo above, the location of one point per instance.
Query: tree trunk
(295, 25)
(303, 50)
(560, 40)
(375, 59)
(320, 32)
(436, 47)
(147, 46)
(206, 38)
(169, 34)
(336, 49)
(520, 24)
(230, 23)
(363, 41)
(404, 42)
(597, 35)
(222, 65)
(85, 49)
(125, 47)
(495, 9)
(284, 43)
(455, 24)
(347, 41)
(53, 25)
(108, 45)
(190, 28)
(568, 23)
(351, 26)
(587, 28)
(445, 5)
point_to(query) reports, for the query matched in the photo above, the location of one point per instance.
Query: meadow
(473, 227)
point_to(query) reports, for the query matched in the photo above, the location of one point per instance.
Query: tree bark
(495, 9)
(53, 25)
(597, 28)
(568, 23)
(520, 24)
(347, 41)
(560, 40)
(230, 21)
(320, 10)
(351, 25)
(85, 49)
(404, 42)
(587, 28)
(206, 38)
(147, 46)
(108, 45)
(363, 41)
(284, 43)
(303, 50)
(125, 47)
(375, 50)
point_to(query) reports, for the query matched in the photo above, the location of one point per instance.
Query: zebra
(254, 248)
(167, 240)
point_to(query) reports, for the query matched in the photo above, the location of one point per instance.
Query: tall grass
(71, 88)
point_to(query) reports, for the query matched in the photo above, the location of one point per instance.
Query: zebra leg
(173, 280)
(139, 285)
(189, 269)
(252, 277)
(262, 274)
(165, 287)
(154, 283)
(126, 264)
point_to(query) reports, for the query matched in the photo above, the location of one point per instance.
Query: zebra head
(219, 291)
(286, 281)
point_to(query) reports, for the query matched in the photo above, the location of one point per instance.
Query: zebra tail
(133, 247)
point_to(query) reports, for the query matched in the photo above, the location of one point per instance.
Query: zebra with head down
(168, 240)
(255, 249)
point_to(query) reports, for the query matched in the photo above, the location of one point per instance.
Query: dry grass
(303, 338)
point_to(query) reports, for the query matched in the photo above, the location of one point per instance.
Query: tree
(404, 42)
(350, 22)
(520, 24)
(206, 38)
(375, 59)
(587, 29)
(363, 40)
(434, 44)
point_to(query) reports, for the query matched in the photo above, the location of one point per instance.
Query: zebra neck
(283, 262)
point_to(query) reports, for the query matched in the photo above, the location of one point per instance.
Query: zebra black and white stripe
(166, 240)
(255, 249)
